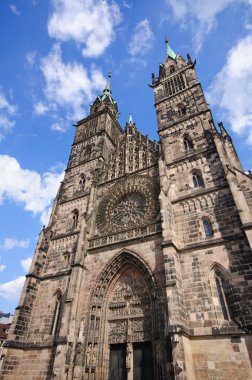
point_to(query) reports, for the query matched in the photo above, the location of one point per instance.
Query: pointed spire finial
(108, 82)
(169, 52)
(130, 118)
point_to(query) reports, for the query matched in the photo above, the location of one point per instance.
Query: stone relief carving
(135, 151)
(131, 299)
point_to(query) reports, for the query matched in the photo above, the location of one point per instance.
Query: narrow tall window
(188, 144)
(197, 180)
(208, 229)
(182, 111)
(75, 218)
(87, 153)
(56, 314)
(172, 69)
(220, 287)
(82, 183)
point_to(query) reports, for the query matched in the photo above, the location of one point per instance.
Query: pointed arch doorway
(129, 319)
(125, 329)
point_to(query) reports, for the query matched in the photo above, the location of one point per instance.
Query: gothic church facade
(145, 268)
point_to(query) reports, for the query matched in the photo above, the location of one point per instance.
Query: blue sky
(55, 56)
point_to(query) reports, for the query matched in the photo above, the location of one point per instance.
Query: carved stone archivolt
(125, 307)
(129, 203)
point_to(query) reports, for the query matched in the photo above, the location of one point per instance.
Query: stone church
(145, 269)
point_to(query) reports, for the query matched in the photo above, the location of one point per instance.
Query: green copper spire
(130, 118)
(169, 52)
(107, 93)
(107, 88)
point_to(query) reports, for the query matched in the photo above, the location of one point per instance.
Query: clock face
(130, 203)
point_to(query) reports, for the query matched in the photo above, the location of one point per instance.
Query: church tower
(144, 270)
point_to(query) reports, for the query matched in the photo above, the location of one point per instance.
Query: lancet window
(75, 218)
(56, 314)
(197, 180)
(208, 229)
(188, 144)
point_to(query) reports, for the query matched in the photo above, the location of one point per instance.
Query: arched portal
(124, 330)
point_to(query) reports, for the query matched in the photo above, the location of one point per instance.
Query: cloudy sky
(55, 56)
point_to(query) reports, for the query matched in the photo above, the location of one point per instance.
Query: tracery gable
(134, 152)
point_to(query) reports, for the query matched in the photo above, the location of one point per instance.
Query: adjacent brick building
(145, 268)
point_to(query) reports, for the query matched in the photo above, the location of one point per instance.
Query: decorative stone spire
(224, 133)
(130, 118)
(169, 52)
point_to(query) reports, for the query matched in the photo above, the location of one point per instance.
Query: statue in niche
(88, 354)
(68, 354)
(78, 355)
(128, 356)
(94, 356)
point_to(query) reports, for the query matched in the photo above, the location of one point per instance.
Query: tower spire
(107, 93)
(105, 99)
(169, 52)
(130, 118)
(107, 88)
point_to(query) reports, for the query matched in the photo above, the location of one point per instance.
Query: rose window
(130, 209)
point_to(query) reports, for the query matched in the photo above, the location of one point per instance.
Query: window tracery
(188, 144)
(75, 218)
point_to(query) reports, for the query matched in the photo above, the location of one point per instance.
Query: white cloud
(199, 16)
(127, 5)
(90, 23)
(10, 243)
(14, 10)
(40, 108)
(231, 88)
(30, 57)
(11, 290)
(68, 85)
(7, 111)
(58, 127)
(27, 187)
(2, 267)
(45, 216)
(142, 39)
(26, 263)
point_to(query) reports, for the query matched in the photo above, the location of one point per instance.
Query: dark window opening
(75, 218)
(208, 229)
(198, 180)
(220, 286)
(188, 144)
